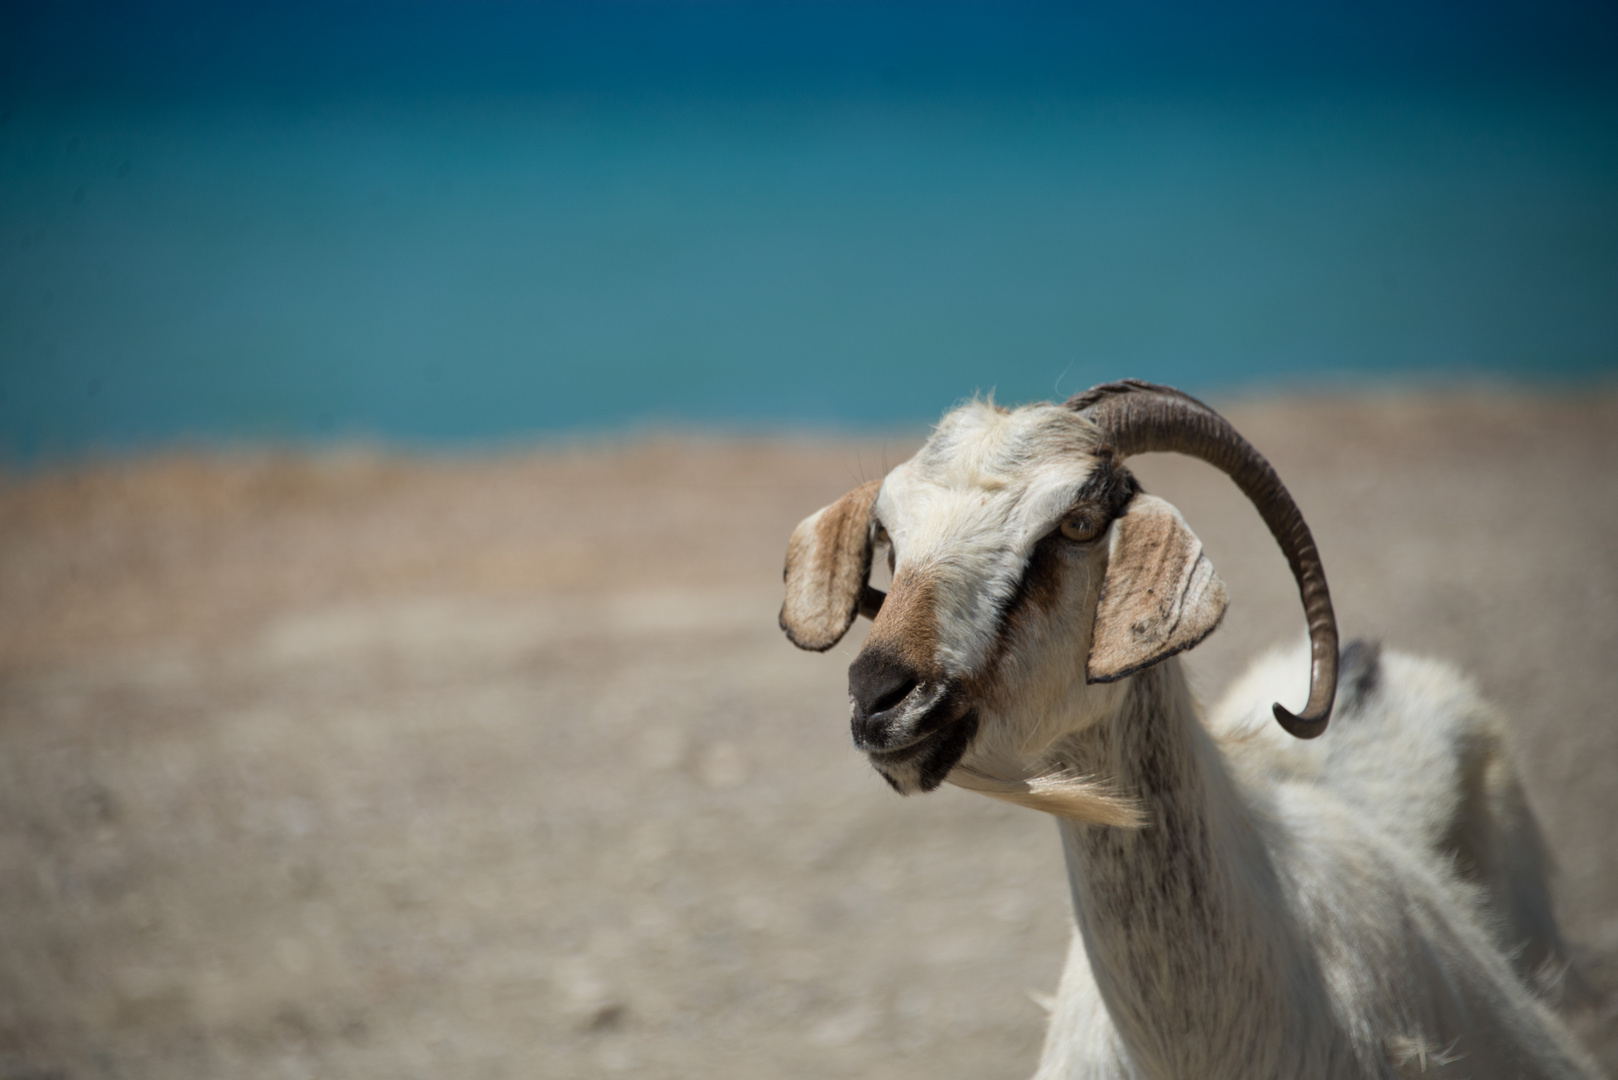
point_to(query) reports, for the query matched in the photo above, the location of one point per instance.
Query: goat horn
(1138, 417)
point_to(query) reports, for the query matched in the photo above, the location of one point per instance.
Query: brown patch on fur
(828, 562)
(906, 628)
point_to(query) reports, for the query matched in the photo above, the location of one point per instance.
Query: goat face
(1028, 572)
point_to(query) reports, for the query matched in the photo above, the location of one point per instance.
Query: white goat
(1243, 908)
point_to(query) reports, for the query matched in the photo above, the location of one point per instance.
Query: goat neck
(1194, 953)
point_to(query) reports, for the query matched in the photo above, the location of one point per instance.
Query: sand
(376, 765)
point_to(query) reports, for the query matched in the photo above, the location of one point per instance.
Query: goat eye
(1081, 527)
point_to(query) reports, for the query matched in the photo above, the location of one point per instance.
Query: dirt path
(385, 767)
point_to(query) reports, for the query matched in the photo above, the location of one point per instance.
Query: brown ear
(1160, 596)
(828, 562)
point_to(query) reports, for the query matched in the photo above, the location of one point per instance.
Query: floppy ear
(1160, 596)
(828, 562)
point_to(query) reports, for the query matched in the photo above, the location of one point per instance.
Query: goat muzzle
(912, 727)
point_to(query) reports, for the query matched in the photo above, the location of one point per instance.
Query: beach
(370, 763)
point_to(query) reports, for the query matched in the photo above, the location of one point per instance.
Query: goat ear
(1160, 595)
(828, 562)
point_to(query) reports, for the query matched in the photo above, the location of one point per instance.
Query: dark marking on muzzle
(879, 679)
(925, 765)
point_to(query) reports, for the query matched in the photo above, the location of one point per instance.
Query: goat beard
(1060, 793)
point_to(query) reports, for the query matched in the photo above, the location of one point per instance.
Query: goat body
(1282, 917)
(1246, 905)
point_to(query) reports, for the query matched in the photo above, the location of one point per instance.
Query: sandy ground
(375, 766)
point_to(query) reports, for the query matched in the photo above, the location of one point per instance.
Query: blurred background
(403, 407)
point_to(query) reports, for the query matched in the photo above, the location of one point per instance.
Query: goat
(1241, 910)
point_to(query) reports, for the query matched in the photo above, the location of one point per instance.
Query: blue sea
(486, 265)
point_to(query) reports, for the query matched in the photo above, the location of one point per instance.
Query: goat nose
(878, 680)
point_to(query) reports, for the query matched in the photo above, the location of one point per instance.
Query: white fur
(1426, 761)
(1332, 885)
(969, 507)
(1289, 909)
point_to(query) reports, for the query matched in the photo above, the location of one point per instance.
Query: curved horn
(1140, 417)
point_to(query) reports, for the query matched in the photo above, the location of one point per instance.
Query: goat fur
(1339, 908)
(1245, 905)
